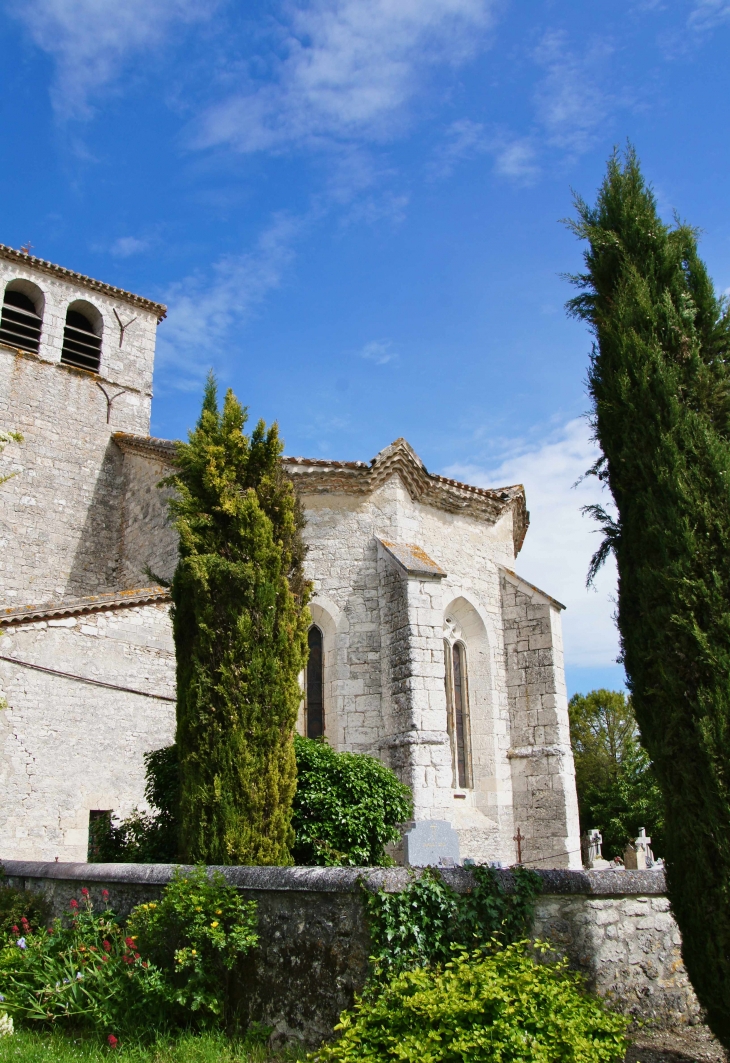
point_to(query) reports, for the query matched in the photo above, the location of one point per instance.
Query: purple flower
(1, 998)
(20, 943)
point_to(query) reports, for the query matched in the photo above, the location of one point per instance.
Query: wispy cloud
(126, 246)
(379, 351)
(707, 14)
(91, 39)
(560, 540)
(349, 72)
(570, 102)
(205, 309)
(514, 157)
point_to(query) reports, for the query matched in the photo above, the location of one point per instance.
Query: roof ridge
(88, 282)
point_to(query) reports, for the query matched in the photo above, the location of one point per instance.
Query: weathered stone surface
(614, 927)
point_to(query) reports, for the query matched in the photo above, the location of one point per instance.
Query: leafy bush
(424, 922)
(347, 807)
(484, 1006)
(169, 968)
(21, 906)
(196, 934)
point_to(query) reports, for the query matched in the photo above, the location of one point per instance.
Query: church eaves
(322, 476)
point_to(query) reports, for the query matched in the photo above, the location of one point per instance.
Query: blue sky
(352, 209)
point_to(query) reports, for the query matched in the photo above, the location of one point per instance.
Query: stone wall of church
(60, 514)
(68, 747)
(341, 534)
(543, 774)
(148, 540)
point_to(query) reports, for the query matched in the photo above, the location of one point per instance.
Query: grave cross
(519, 838)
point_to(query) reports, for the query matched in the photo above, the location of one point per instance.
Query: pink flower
(73, 904)
(112, 1041)
(50, 929)
(107, 945)
(15, 929)
(84, 891)
(105, 894)
(129, 942)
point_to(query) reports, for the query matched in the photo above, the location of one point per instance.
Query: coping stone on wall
(342, 879)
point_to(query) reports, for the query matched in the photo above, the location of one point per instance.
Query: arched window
(21, 321)
(82, 337)
(457, 704)
(315, 685)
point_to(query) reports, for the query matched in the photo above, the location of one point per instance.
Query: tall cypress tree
(659, 382)
(239, 621)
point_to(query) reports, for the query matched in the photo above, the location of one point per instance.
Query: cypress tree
(239, 622)
(661, 414)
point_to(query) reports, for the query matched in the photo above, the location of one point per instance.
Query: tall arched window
(21, 321)
(82, 337)
(457, 703)
(315, 685)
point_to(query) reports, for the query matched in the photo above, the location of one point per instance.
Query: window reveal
(457, 707)
(315, 685)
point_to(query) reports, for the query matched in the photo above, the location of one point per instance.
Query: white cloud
(571, 105)
(349, 71)
(91, 39)
(709, 13)
(205, 308)
(379, 351)
(514, 157)
(561, 541)
(128, 245)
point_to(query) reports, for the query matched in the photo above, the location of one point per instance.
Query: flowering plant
(83, 969)
(197, 934)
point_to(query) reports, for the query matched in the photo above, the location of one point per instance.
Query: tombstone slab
(431, 843)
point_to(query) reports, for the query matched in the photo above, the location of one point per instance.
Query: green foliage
(145, 837)
(239, 622)
(617, 790)
(496, 1006)
(661, 404)
(85, 972)
(346, 807)
(424, 922)
(196, 934)
(21, 906)
(171, 967)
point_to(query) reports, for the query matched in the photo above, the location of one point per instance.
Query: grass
(31, 1046)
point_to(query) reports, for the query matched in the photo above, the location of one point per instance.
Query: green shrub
(196, 934)
(424, 922)
(171, 967)
(18, 907)
(347, 807)
(485, 1006)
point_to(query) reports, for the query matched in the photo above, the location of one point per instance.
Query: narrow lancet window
(457, 707)
(81, 343)
(21, 324)
(315, 685)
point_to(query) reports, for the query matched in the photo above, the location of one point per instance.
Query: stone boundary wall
(614, 926)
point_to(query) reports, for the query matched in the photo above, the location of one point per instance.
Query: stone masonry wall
(543, 775)
(67, 747)
(148, 539)
(615, 927)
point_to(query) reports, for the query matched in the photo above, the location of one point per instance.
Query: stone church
(427, 650)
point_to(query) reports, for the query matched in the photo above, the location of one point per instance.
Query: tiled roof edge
(93, 604)
(12, 255)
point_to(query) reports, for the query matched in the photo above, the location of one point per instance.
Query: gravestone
(431, 843)
(591, 846)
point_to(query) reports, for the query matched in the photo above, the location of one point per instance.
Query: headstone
(431, 843)
(643, 843)
(634, 859)
(591, 848)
